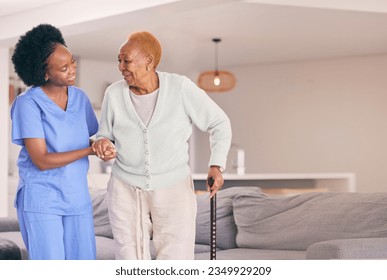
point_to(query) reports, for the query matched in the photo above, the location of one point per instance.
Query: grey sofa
(256, 226)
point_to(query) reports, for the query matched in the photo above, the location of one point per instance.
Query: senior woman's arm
(106, 120)
(209, 117)
(103, 146)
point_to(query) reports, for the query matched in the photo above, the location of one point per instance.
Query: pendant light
(217, 80)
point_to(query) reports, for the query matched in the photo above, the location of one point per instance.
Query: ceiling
(252, 32)
(11, 7)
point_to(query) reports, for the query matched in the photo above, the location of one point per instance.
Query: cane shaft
(213, 228)
(212, 223)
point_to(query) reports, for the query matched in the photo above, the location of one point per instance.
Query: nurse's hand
(109, 154)
(104, 149)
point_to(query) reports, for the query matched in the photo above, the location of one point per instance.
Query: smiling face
(61, 67)
(133, 63)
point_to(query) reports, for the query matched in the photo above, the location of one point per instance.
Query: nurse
(52, 122)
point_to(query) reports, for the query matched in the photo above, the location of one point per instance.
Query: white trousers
(168, 215)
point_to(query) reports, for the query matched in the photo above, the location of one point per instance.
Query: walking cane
(212, 222)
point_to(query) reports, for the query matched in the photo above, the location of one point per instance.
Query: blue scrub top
(64, 190)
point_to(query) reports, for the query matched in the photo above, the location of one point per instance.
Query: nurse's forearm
(44, 160)
(55, 160)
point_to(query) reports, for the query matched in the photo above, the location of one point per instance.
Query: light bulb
(216, 81)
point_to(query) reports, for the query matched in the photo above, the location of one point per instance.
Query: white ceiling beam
(69, 13)
(80, 16)
(375, 6)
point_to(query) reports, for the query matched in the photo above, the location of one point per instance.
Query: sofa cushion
(295, 222)
(201, 248)
(253, 254)
(349, 249)
(225, 227)
(100, 213)
(105, 248)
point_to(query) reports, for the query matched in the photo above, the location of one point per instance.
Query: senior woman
(148, 117)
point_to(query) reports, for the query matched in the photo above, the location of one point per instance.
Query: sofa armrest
(9, 250)
(9, 224)
(357, 248)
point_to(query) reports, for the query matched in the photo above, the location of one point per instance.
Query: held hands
(215, 173)
(104, 149)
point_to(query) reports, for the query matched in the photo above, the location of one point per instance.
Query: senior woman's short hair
(148, 43)
(32, 51)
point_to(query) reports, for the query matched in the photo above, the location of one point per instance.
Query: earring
(46, 78)
(147, 69)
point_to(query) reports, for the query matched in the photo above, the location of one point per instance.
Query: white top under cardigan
(155, 156)
(144, 105)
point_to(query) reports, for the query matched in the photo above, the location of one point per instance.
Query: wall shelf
(335, 182)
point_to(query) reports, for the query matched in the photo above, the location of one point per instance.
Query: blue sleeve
(26, 120)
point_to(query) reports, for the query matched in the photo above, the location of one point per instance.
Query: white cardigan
(156, 156)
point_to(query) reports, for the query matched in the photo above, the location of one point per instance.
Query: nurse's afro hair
(32, 51)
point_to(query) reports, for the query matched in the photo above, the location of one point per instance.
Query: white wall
(4, 116)
(93, 78)
(316, 116)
